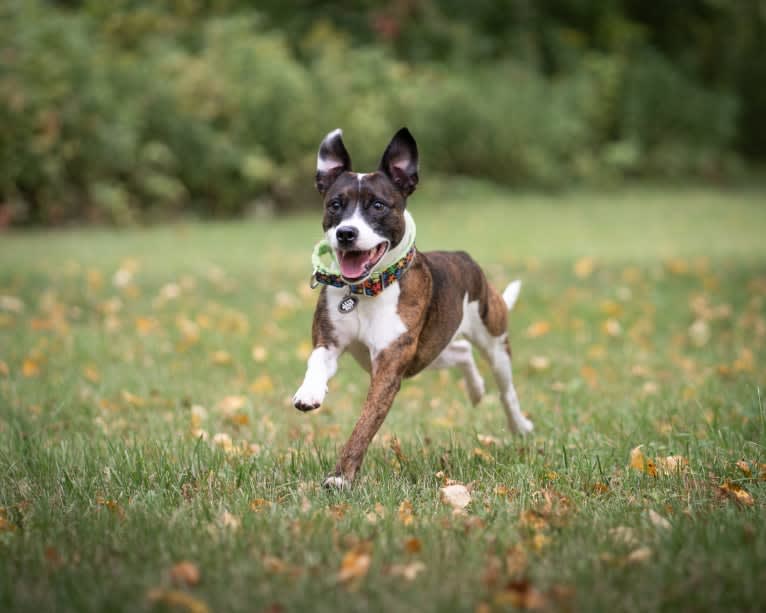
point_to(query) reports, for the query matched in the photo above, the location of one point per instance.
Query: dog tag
(348, 304)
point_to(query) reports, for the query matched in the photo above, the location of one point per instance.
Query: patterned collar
(376, 282)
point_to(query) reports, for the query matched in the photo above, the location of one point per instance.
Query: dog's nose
(346, 235)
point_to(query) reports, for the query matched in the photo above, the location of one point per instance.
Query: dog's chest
(375, 321)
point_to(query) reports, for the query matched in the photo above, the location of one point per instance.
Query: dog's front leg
(386, 379)
(322, 364)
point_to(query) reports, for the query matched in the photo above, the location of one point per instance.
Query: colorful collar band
(372, 285)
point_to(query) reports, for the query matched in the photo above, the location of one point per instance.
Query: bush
(142, 113)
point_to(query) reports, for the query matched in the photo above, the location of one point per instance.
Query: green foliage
(147, 110)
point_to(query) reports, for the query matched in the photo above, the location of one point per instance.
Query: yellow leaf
(488, 440)
(178, 599)
(483, 454)
(612, 327)
(455, 495)
(539, 363)
(30, 368)
(146, 325)
(304, 350)
(658, 520)
(355, 564)
(408, 572)
(132, 399)
(221, 358)
(260, 354)
(229, 521)
(539, 328)
(522, 595)
(642, 554)
(737, 493)
(185, 573)
(224, 441)
(262, 385)
(405, 513)
(91, 373)
(671, 464)
(639, 462)
(259, 504)
(583, 268)
(230, 404)
(4, 370)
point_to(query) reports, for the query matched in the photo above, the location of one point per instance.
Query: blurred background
(134, 111)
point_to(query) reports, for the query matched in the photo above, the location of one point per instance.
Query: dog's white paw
(521, 425)
(309, 396)
(336, 482)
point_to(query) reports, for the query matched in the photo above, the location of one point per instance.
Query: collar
(388, 271)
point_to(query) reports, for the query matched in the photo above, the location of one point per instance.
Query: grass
(641, 322)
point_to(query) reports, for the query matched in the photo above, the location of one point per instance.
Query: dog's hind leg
(459, 353)
(489, 334)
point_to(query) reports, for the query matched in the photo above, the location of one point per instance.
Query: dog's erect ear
(400, 161)
(332, 160)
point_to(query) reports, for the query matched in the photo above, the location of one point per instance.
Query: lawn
(150, 458)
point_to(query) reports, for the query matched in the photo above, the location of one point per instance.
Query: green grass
(103, 487)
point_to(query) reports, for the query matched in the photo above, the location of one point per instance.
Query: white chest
(374, 322)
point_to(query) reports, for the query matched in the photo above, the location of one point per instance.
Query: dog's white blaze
(367, 237)
(375, 321)
(322, 364)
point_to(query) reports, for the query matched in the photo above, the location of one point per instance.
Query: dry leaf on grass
(642, 554)
(668, 465)
(406, 515)
(185, 573)
(522, 595)
(737, 493)
(658, 520)
(407, 572)
(456, 495)
(355, 564)
(177, 599)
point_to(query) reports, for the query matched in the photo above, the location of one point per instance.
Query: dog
(395, 309)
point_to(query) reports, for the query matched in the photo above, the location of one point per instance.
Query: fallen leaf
(221, 358)
(737, 493)
(488, 440)
(456, 495)
(624, 535)
(413, 545)
(132, 399)
(178, 599)
(262, 385)
(671, 464)
(223, 440)
(537, 329)
(642, 554)
(483, 454)
(229, 521)
(744, 467)
(229, 404)
(539, 363)
(91, 373)
(259, 504)
(408, 572)
(583, 268)
(658, 520)
(405, 513)
(612, 327)
(521, 594)
(641, 463)
(699, 333)
(259, 354)
(355, 564)
(30, 368)
(185, 573)
(4, 370)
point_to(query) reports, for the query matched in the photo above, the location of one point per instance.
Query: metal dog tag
(348, 304)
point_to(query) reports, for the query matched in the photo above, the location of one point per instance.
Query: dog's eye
(334, 205)
(378, 205)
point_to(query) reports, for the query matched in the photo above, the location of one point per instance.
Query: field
(150, 458)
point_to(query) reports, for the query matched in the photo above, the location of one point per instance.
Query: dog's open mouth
(356, 265)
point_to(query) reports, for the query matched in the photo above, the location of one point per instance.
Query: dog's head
(364, 212)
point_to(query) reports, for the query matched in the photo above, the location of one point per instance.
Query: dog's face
(364, 213)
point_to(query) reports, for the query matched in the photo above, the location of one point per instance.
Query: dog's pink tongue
(352, 263)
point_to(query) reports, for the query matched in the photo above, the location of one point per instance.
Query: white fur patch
(336, 483)
(375, 322)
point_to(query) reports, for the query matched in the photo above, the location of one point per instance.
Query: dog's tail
(511, 293)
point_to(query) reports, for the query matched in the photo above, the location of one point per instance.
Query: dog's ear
(332, 160)
(400, 161)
